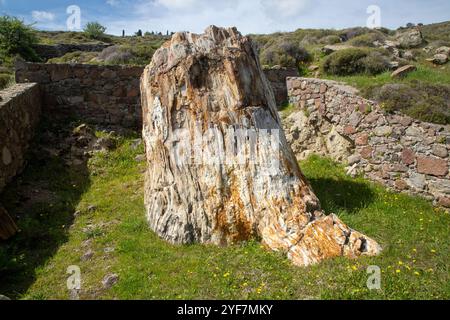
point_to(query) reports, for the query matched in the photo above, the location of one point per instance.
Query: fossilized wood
(214, 80)
(7, 226)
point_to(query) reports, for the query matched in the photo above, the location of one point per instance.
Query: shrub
(331, 39)
(355, 61)
(5, 79)
(345, 62)
(75, 57)
(94, 30)
(367, 40)
(16, 38)
(375, 62)
(423, 101)
(285, 54)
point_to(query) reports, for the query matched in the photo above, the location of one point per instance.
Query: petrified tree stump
(7, 226)
(219, 167)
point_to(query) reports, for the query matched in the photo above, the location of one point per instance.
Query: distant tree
(139, 33)
(94, 30)
(123, 33)
(410, 25)
(17, 38)
(296, 52)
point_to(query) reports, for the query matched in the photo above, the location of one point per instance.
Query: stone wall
(103, 95)
(277, 77)
(46, 51)
(20, 110)
(398, 151)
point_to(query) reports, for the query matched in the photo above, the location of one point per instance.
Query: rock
(412, 38)
(439, 59)
(401, 185)
(393, 65)
(105, 143)
(362, 139)
(444, 202)
(414, 132)
(140, 158)
(353, 159)
(238, 184)
(408, 156)
(439, 186)
(443, 50)
(403, 71)
(416, 181)
(432, 166)
(110, 280)
(408, 55)
(329, 49)
(87, 256)
(366, 152)
(440, 150)
(313, 68)
(8, 227)
(384, 131)
(92, 208)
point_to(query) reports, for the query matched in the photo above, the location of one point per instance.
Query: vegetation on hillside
(94, 30)
(414, 264)
(16, 40)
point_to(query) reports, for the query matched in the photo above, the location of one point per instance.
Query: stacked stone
(20, 109)
(104, 95)
(394, 149)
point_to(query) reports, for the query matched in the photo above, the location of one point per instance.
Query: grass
(425, 73)
(108, 194)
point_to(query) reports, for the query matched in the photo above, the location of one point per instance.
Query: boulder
(439, 59)
(219, 169)
(411, 38)
(403, 71)
(335, 47)
(443, 50)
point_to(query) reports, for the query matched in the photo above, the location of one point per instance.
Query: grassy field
(107, 195)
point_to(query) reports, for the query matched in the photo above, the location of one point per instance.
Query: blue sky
(250, 16)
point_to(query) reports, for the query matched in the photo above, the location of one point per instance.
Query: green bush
(367, 40)
(16, 38)
(355, 61)
(420, 100)
(285, 54)
(331, 39)
(4, 80)
(94, 30)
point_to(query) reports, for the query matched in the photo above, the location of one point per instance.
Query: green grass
(424, 72)
(414, 236)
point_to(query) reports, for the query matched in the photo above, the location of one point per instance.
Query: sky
(249, 16)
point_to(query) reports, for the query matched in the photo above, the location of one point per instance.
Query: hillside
(361, 57)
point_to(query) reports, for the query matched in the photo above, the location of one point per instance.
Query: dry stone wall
(277, 78)
(20, 110)
(398, 151)
(46, 51)
(104, 95)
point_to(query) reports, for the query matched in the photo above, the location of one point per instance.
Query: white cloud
(249, 16)
(113, 3)
(285, 8)
(179, 4)
(41, 16)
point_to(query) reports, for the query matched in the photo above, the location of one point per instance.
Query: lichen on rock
(219, 167)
